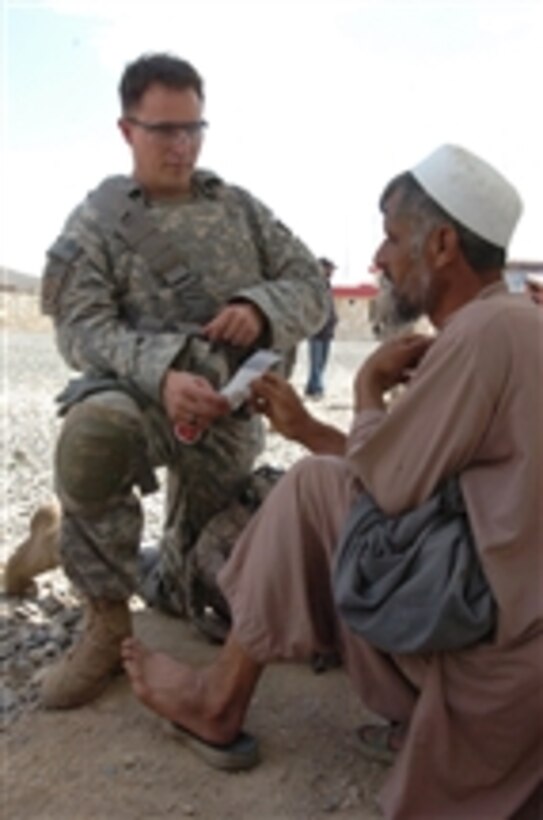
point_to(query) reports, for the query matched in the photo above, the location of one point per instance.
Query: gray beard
(392, 313)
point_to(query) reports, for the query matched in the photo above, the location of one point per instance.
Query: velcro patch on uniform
(65, 250)
(61, 257)
(283, 228)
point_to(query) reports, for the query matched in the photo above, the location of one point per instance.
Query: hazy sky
(312, 105)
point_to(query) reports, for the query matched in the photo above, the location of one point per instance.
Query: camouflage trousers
(105, 458)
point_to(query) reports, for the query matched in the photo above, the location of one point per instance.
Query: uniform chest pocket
(183, 296)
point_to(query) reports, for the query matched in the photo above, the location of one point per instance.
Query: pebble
(8, 699)
(51, 604)
(33, 635)
(59, 635)
(6, 649)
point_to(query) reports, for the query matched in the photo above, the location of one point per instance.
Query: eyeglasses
(171, 131)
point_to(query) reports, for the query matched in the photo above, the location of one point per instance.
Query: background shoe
(380, 742)
(37, 553)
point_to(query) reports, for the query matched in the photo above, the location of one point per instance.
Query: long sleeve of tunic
(467, 411)
(115, 314)
(475, 407)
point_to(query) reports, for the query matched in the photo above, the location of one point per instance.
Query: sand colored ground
(114, 760)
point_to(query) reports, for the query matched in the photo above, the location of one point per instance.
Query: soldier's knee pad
(96, 453)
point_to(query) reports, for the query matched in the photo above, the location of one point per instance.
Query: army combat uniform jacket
(129, 284)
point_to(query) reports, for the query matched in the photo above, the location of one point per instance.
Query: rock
(38, 655)
(50, 604)
(69, 617)
(5, 625)
(6, 649)
(38, 636)
(50, 650)
(8, 700)
(60, 635)
(21, 667)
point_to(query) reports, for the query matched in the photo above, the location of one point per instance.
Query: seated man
(464, 727)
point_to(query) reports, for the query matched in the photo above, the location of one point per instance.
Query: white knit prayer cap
(471, 191)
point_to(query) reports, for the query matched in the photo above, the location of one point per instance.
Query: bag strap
(121, 207)
(248, 205)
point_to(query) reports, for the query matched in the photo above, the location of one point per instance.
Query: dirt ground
(114, 760)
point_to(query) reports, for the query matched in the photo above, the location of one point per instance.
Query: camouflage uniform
(128, 285)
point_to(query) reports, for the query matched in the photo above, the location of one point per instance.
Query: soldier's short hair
(480, 254)
(165, 69)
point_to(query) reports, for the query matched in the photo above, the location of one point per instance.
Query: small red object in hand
(187, 433)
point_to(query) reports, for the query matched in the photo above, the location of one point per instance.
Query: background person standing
(319, 344)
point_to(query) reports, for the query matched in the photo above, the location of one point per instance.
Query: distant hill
(12, 280)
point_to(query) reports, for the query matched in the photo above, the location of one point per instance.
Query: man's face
(401, 259)
(535, 291)
(165, 157)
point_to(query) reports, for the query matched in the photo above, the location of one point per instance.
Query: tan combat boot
(86, 669)
(37, 553)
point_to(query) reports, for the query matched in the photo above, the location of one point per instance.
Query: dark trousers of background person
(318, 356)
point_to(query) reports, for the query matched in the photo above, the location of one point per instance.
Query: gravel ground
(33, 631)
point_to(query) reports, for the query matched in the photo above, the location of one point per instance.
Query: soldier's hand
(238, 324)
(191, 400)
(276, 399)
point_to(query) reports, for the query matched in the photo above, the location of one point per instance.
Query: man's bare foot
(193, 698)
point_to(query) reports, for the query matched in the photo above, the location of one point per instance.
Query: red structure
(365, 290)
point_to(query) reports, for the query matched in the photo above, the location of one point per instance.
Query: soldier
(159, 286)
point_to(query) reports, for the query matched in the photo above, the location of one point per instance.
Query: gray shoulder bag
(413, 582)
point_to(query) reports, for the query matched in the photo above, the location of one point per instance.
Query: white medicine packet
(238, 389)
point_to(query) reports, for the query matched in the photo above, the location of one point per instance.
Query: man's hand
(276, 399)
(191, 400)
(239, 324)
(389, 365)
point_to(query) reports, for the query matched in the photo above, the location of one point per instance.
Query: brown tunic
(474, 408)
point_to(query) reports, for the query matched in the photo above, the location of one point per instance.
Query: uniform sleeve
(293, 294)
(433, 431)
(80, 293)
